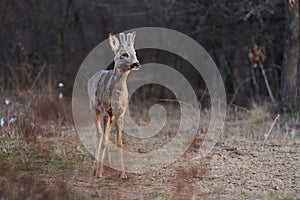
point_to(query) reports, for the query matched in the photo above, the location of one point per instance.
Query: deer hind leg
(105, 137)
(119, 127)
(99, 141)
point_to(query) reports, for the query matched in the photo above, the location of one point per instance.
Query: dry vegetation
(43, 42)
(43, 158)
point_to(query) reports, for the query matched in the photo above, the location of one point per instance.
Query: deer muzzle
(135, 66)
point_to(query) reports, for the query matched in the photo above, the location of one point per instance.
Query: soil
(234, 169)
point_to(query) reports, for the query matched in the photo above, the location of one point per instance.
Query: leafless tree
(288, 95)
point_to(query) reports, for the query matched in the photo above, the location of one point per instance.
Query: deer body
(109, 97)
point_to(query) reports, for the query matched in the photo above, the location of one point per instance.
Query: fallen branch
(268, 133)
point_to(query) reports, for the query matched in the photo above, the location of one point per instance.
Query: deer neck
(121, 76)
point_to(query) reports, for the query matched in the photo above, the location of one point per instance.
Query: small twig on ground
(268, 133)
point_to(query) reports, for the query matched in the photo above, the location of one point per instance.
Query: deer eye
(125, 55)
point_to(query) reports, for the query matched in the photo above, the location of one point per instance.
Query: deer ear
(122, 38)
(130, 38)
(133, 36)
(114, 42)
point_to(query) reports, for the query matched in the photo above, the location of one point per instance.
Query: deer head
(125, 55)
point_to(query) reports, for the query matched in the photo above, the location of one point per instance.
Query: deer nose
(135, 66)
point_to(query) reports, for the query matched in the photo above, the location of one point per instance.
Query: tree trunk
(288, 90)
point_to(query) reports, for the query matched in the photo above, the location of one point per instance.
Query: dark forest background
(43, 42)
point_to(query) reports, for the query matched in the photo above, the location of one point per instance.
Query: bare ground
(60, 168)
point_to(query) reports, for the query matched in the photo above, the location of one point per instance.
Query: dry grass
(29, 114)
(35, 144)
(253, 125)
(37, 169)
(42, 155)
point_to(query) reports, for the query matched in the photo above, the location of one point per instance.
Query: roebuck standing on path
(109, 97)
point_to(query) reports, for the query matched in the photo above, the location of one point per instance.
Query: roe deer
(109, 97)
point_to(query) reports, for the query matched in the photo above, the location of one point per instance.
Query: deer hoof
(94, 173)
(100, 177)
(123, 177)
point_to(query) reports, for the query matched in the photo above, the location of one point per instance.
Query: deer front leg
(104, 144)
(107, 148)
(99, 141)
(119, 127)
